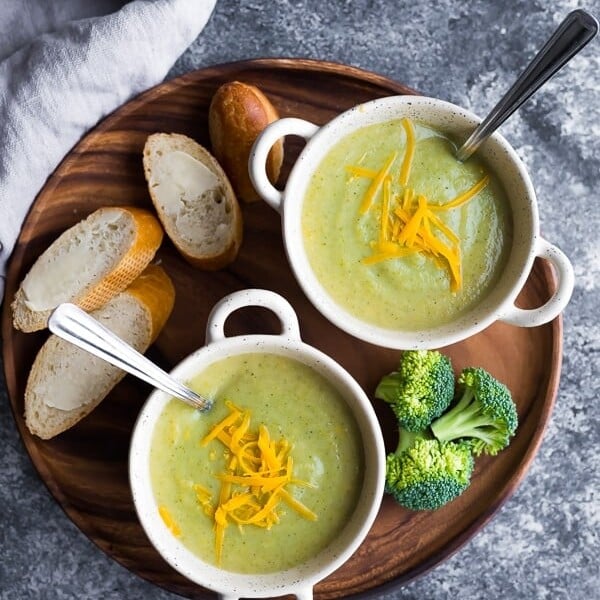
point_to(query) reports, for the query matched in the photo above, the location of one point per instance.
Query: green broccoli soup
(399, 232)
(269, 476)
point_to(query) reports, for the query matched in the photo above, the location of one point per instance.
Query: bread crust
(155, 290)
(238, 113)
(148, 238)
(155, 145)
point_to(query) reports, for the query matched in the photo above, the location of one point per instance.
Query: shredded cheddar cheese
(465, 197)
(377, 183)
(410, 151)
(169, 521)
(359, 171)
(407, 227)
(385, 210)
(253, 484)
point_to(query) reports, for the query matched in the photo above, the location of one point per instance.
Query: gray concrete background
(544, 542)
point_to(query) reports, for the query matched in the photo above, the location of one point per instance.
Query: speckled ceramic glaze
(500, 157)
(301, 579)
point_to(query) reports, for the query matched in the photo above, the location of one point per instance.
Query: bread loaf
(88, 264)
(194, 200)
(238, 114)
(66, 383)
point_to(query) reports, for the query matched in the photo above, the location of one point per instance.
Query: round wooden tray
(85, 468)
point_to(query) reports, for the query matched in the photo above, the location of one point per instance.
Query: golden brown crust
(238, 114)
(148, 237)
(155, 290)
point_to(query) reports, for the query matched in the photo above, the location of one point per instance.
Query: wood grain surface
(85, 468)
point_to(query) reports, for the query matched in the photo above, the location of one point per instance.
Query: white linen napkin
(59, 85)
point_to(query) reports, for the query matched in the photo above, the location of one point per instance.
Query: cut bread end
(66, 383)
(87, 264)
(194, 200)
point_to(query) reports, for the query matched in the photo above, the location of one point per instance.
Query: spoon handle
(78, 327)
(576, 30)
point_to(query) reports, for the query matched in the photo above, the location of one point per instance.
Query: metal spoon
(576, 30)
(78, 327)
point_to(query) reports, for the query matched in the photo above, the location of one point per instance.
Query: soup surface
(439, 249)
(295, 403)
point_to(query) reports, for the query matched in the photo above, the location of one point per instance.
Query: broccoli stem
(462, 420)
(407, 439)
(387, 389)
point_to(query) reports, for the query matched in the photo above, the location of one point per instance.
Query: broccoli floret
(420, 390)
(425, 474)
(485, 414)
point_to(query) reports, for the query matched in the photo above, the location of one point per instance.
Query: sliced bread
(194, 200)
(66, 383)
(87, 264)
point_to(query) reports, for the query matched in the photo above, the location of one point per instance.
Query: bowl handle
(305, 593)
(554, 306)
(257, 162)
(253, 297)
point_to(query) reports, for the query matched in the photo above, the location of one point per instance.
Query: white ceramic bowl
(300, 579)
(496, 152)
